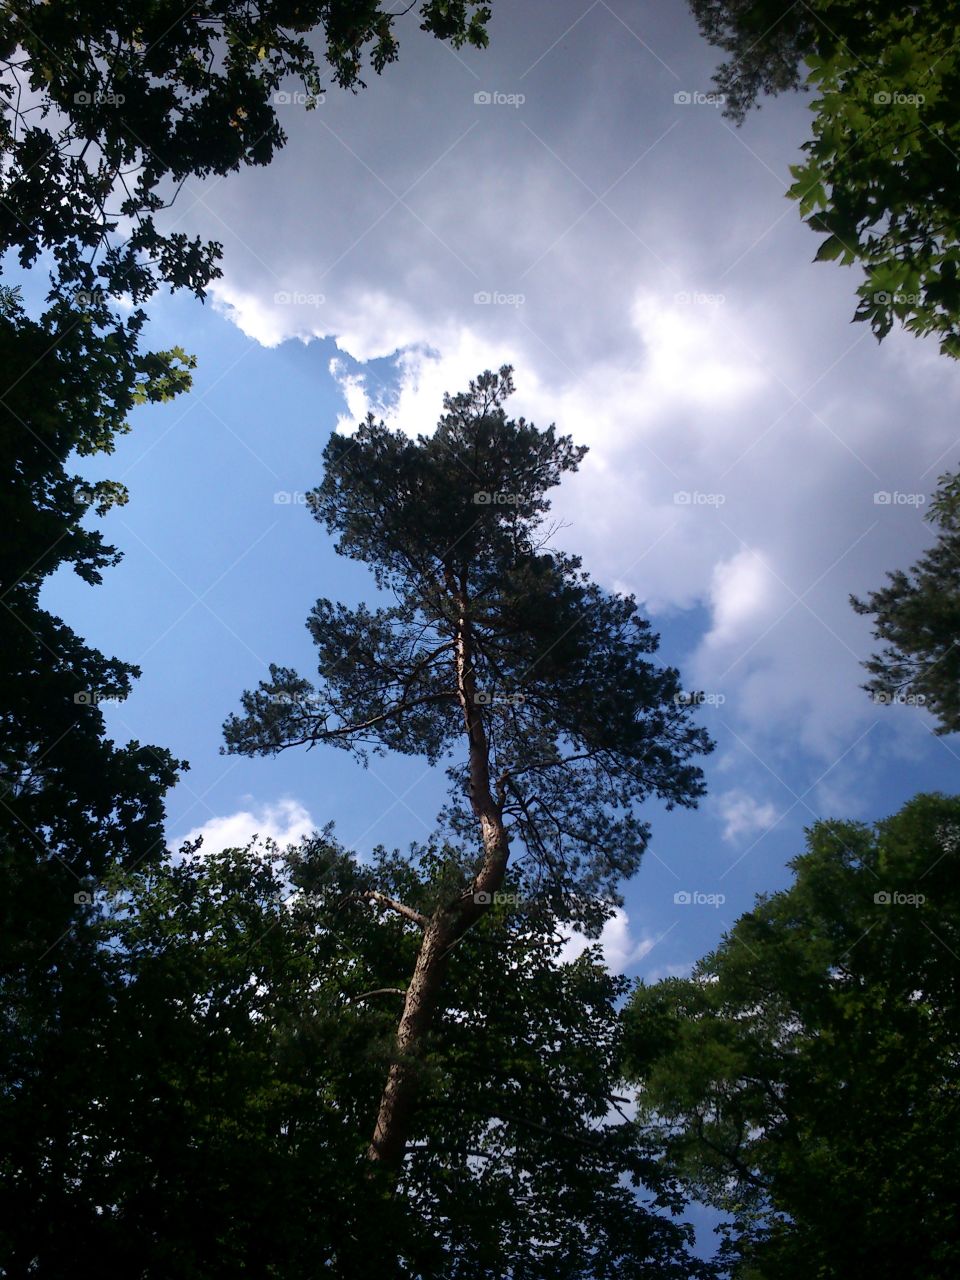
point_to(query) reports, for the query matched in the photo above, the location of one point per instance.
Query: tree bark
(449, 922)
(399, 1095)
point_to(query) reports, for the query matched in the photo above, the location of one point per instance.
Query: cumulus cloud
(636, 261)
(621, 949)
(285, 822)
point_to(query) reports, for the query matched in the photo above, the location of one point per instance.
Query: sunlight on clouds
(423, 375)
(740, 592)
(621, 951)
(285, 822)
(689, 354)
(354, 391)
(255, 317)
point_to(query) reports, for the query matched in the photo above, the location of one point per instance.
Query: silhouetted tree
(917, 616)
(213, 1092)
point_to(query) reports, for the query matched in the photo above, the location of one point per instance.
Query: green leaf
(830, 249)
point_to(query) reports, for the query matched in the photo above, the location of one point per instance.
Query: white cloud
(621, 950)
(688, 353)
(741, 589)
(414, 403)
(743, 816)
(670, 319)
(285, 822)
(354, 391)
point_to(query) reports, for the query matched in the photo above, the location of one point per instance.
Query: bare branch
(380, 991)
(408, 913)
(526, 1122)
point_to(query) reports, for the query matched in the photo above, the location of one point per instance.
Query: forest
(530, 554)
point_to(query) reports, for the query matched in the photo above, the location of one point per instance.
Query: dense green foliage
(217, 1078)
(108, 109)
(917, 616)
(880, 178)
(805, 1078)
(72, 802)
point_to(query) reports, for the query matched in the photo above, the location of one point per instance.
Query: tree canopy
(804, 1080)
(72, 802)
(217, 1084)
(244, 1061)
(880, 178)
(917, 617)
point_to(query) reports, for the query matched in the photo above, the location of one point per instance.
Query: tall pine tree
(499, 651)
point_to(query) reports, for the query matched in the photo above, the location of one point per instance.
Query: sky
(570, 202)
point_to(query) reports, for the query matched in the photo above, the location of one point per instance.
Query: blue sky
(655, 292)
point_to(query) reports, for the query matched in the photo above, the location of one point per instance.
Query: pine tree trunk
(399, 1095)
(446, 926)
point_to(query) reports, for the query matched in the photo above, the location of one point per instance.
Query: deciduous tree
(881, 169)
(917, 617)
(209, 1108)
(805, 1079)
(110, 108)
